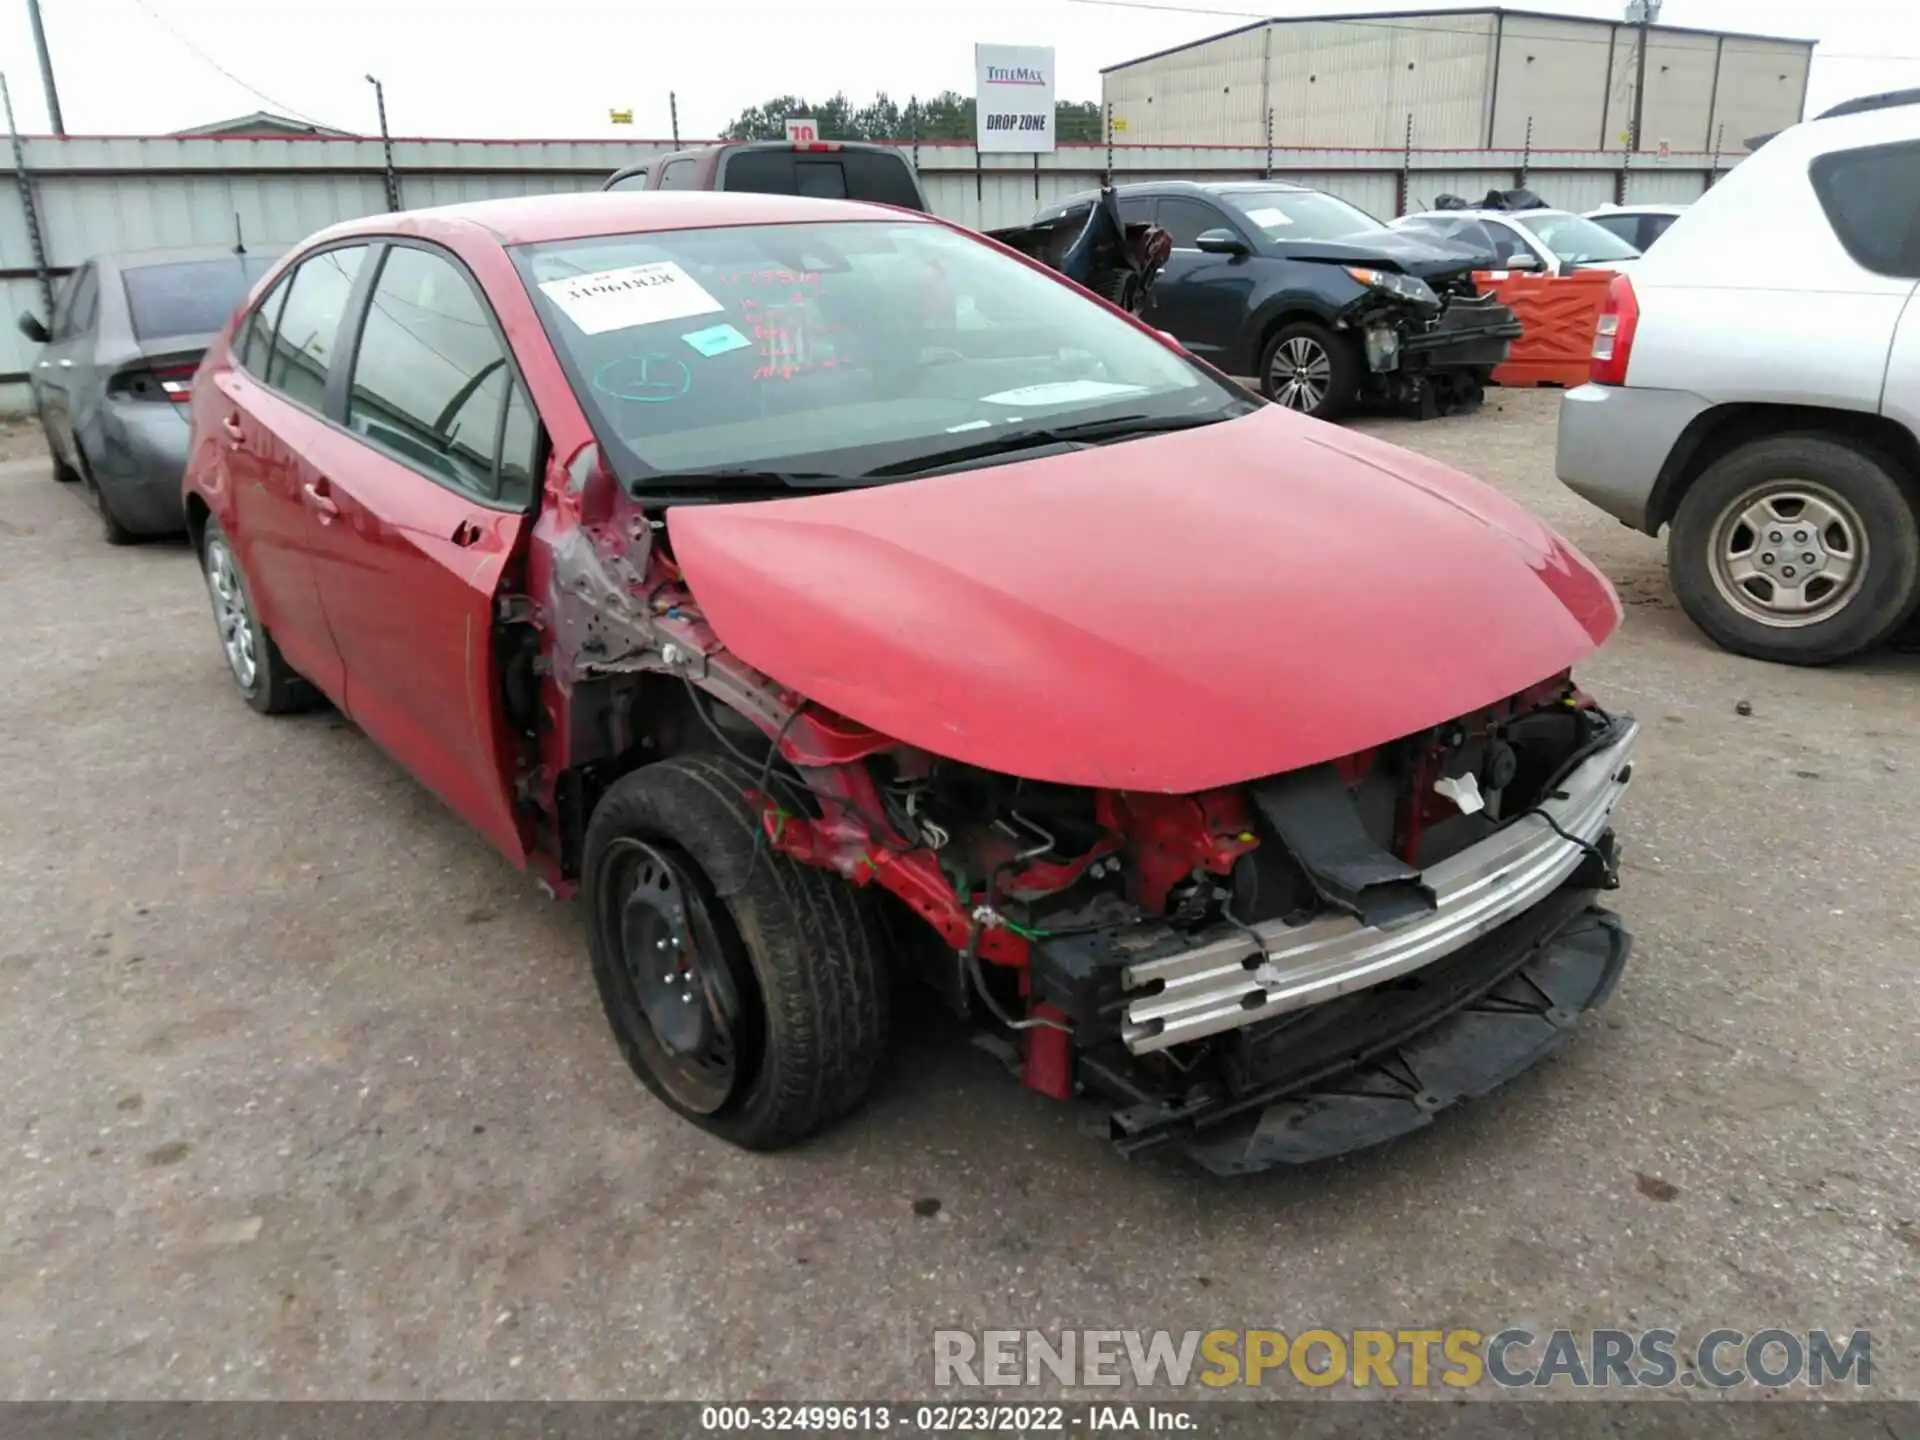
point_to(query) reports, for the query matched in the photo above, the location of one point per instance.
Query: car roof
(1483, 212)
(180, 255)
(531, 219)
(1647, 209)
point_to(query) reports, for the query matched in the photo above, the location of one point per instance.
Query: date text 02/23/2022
(945, 1419)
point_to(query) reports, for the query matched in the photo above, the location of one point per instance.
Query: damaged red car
(829, 597)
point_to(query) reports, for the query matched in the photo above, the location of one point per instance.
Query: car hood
(1394, 249)
(1171, 613)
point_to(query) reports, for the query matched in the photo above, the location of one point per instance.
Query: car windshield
(190, 297)
(838, 350)
(1575, 239)
(1299, 214)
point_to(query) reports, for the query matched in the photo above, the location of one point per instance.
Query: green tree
(946, 116)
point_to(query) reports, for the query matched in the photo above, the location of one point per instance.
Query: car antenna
(239, 240)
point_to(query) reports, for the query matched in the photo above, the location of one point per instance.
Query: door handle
(231, 424)
(314, 492)
(467, 533)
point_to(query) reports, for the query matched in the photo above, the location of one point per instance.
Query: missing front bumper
(1177, 989)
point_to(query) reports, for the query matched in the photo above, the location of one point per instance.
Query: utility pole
(386, 145)
(46, 68)
(1641, 13)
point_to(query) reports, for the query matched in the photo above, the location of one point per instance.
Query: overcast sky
(553, 68)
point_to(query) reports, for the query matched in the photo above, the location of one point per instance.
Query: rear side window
(678, 174)
(307, 339)
(1872, 200)
(192, 297)
(256, 337)
(431, 383)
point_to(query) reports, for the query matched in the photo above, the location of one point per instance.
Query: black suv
(1315, 297)
(828, 169)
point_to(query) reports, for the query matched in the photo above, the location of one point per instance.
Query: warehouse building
(1471, 79)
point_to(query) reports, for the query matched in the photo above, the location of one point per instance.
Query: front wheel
(746, 991)
(1800, 549)
(1308, 368)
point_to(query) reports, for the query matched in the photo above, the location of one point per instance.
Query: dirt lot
(305, 1093)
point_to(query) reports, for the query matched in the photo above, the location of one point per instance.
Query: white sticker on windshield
(1061, 392)
(632, 295)
(1268, 218)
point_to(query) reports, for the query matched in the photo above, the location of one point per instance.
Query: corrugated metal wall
(1467, 78)
(95, 195)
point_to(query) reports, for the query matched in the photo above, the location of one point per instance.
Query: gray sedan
(112, 381)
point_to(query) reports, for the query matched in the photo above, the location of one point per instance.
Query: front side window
(1185, 221)
(678, 174)
(1300, 214)
(430, 376)
(79, 305)
(635, 181)
(836, 350)
(189, 297)
(1574, 239)
(1872, 200)
(308, 335)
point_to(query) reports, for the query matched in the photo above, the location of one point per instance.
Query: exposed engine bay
(1181, 957)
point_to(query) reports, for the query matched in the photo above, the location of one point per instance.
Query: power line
(1369, 23)
(207, 59)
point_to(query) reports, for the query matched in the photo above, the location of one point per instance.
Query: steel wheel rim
(1788, 554)
(686, 978)
(231, 614)
(1301, 373)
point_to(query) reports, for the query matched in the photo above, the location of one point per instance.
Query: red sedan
(829, 595)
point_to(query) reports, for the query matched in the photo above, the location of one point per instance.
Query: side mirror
(1222, 242)
(1524, 260)
(31, 327)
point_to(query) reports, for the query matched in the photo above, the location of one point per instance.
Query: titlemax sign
(1013, 99)
(1014, 75)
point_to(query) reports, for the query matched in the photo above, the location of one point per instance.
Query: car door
(270, 404)
(1200, 299)
(73, 316)
(422, 492)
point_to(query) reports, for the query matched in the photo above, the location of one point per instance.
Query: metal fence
(91, 195)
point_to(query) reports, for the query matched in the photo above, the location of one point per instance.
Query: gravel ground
(306, 1094)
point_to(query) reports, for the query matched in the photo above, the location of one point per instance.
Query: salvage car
(112, 379)
(1314, 297)
(827, 169)
(1535, 237)
(826, 594)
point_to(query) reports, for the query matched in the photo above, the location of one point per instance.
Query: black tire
(111, 530)
(810, 979)
(274, 687)
(1883, 590)
(1342, 368)
(62, 471)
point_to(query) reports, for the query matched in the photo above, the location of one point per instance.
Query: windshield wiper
(733, 478)
(1118, 427)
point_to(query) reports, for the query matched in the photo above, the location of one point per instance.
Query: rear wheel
(746, 991)
(260, 673)
(111, 530)
(1800, 549)
(1308, 368)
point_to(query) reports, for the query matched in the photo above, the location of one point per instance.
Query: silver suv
(1756, 392)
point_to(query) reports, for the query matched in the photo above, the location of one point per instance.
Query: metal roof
(1377, 17)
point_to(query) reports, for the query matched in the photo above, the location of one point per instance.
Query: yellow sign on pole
(620, 117)
(1119, 126)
